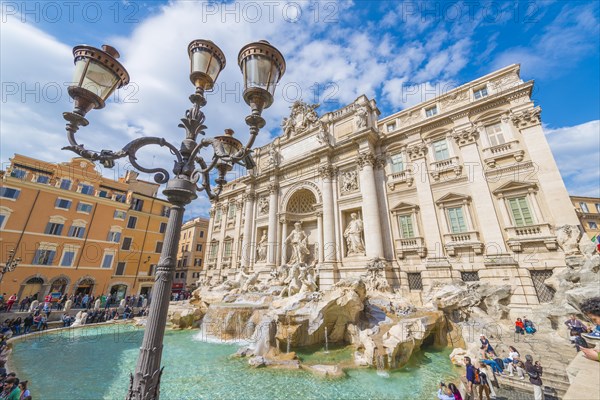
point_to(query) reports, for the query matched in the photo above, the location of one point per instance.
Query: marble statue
(360, 117)
(261, 247)
(308, 279)
(250, 282)
(349, 181)
(236, 283)
(298, 239)
(353, 235)
(292, 282)
(568, 237)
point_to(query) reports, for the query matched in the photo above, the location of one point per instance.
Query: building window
(137, 204)
(212, 252)
(120, 197)
(227, 249)
(132, 222)
(62, 203)
(593, 225)
(184, 262)
(54, 228)
(107, 260)
(152, 269)
(406, 226)
(495, 134)
(597, 209)
(18, 173)
(457, 220)
(431, 111)
(126, 243)
(544, 292)
(44, 257)
(231, 212)
(176, 275)
(43, 179)
(480, 93)
(119, 214)
(114, 236)
(469, 276)
(65, 184)
(76, 231)
(584, 207)
(183, 275)
(520, 211)
(163, 227)
(415, 282)
(440, 150)
(103, 194)
(197, 262)
(67, 258)
(391, 127)
(9, 193)
(202, 232)
(158, 247)
(199, 247)
(3, 218)
(165, 211)
(397, 164)
(218, 215)
(120, 268)
(84, 208)
(87, 189)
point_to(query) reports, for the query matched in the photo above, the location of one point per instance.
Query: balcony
(449, 164)
(510, 149)
(530, 234)
(396, 178)
(411, 245)
(470, 239)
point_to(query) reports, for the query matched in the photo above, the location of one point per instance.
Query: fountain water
(326, 342)
(287, 317)
(381, 366)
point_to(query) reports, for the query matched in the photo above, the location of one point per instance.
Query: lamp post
(97, 75)
(11, 263)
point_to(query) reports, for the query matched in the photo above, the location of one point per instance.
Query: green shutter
(457, 220)
(406, 227)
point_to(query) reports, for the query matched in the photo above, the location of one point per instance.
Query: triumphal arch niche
(447, 189)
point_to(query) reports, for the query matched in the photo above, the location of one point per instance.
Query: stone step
(552, 389)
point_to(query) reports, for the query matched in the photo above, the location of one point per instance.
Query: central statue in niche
(298, 240)
(353, 235)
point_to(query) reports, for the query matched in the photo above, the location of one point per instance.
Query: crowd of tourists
(480, 380)
(11, 387)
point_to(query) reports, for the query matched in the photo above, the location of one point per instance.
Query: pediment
(403, 206)
(453, 197)
(514, 186)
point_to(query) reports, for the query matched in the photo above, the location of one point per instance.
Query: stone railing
(540, 233)
(509, 149)
(411, 245)
(450, 164)
(469, 239)
(395, 178)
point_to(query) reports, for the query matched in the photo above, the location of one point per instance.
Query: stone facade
(463, 186)
(588, 211)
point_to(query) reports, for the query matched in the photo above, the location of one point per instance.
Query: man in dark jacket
(534, 370)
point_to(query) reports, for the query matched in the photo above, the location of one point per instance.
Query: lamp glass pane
(79, 70)
(99, 80)
(258, 73)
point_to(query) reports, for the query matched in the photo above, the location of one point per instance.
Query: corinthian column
(368, 188)
(328, 246)
(248, 226)
(272, 235)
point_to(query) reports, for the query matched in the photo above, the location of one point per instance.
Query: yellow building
(190, 254)
(588, 211)
(141, 240)
(67, 223)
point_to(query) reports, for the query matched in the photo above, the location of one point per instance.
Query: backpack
(476, 376)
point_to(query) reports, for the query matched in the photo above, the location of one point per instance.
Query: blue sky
(335, 51)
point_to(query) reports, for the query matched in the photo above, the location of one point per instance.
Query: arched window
(302, 202)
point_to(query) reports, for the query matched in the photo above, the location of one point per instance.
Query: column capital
(273, 187)
(417, 151)
(212, 211)
(466, 136)
(326, 171)
(366, 159)
(249, 196)
(527, 118)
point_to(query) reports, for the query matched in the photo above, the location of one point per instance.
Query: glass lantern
(206, 63)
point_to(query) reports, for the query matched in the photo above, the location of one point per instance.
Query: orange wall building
(67, 223)
(190, 254)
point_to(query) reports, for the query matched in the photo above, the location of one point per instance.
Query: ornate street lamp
(10, 264)
(97, 75)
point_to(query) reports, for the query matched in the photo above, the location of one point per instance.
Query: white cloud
(576, 150)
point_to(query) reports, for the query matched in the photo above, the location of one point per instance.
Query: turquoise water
(94, 363)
